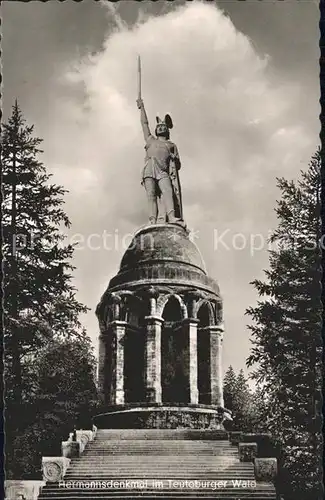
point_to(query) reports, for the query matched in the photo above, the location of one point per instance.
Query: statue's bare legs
(151, 190)
(166, 189)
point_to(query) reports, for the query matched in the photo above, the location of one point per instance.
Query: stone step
(167, 434)
(172, 463)
(168, 485)
(112, 465)
(156, 445)
(122, 466)
(163, 449)
(161, 443)
(185, 463)
(207, 465)
(171, 494)
(93, 492)
(156, 455)
(160, 474)
(149, 477)
(153, 455)
(164, 455)
(258, 492)
(111, 457)
(153, 460)
(153, 452)
(157, 452)
(157, 471)
(130, 495)
(158, 460)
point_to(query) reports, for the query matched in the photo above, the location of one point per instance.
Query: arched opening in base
(203, 348)
(174, 353)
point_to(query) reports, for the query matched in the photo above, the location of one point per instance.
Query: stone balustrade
(23, 490)
(82, 438)
(54, 468)
(266, 469)
(247, 451)
(70, 449)
(235, 437)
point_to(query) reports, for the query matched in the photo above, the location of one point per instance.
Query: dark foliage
(286, 334)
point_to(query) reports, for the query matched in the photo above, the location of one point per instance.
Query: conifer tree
(229, 388)
(39, 298)
(240, 400)
(242, 403)
(286, 332)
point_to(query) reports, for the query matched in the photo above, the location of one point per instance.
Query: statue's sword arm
(143, 116)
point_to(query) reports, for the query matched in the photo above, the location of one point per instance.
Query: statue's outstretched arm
(144, 120)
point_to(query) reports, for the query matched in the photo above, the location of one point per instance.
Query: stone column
(191, 326)
(152, 367)
(117, 370)
(103, 366)
(216, 333)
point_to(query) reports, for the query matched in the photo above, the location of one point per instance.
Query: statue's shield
(173, 172)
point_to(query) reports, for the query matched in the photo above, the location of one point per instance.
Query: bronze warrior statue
(160, 173)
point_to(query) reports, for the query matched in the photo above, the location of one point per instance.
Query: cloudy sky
(240, 80)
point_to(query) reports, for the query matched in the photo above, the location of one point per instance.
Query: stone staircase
(159, 463)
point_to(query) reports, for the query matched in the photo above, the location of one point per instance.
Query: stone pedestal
(23, 490)
(161, 299)
(70, 449)
(235, 437)
(265, 469)
(247, 452)
(83, 437)
(153, 390)
(216, 333)
(54, 468)
(117, 383)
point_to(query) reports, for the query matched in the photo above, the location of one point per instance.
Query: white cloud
(236, 128)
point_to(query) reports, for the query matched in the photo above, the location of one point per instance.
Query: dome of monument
(162, 254)
(161, 243)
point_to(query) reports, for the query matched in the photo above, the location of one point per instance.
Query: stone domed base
(160, 254)
(161, 335)
(162, 416)
(162, 242)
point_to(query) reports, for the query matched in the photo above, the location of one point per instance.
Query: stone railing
(23, 490)
(251, 449)
(53, 468)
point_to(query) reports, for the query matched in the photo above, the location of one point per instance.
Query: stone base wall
(162, 418)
